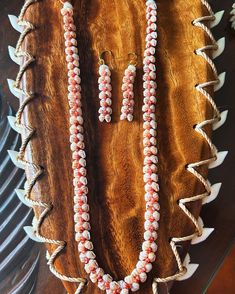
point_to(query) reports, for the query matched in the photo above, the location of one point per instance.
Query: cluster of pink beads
(105, 89)
(81, 208)
(128, 94)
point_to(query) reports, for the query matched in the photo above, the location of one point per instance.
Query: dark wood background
(220, 214)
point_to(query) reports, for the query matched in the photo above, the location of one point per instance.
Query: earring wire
(133, 61)
(101, 57)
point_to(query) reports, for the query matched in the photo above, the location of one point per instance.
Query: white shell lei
(81, 208)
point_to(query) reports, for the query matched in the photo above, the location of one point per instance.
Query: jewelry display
(101, 88)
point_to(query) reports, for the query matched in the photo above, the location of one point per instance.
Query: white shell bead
(102, 68)
(90, 255)
(135, 287)
(132, 68)
(107, 278)
(143, 277)
(89, 245)
(108, 118)
(148, 267)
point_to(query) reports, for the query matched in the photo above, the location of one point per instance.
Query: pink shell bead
(128, 94)
(81, 207)
(105, 93)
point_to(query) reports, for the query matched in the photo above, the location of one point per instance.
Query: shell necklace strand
(81, 208)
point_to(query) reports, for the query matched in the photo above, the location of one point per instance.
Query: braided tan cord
(232, 18)
(28, 59)
(193, 166)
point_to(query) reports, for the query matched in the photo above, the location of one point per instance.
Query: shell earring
(127, 89)
(105, 89)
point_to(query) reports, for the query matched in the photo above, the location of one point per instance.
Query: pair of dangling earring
(105, 89)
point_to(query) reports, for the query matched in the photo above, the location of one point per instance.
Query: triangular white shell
(218, 16)
(221, 46)
(16, 92)
(14, 157)
(21, 195)
(223, 117)
(17, 60)
(12, 122)
(200, 222)
(31, 233)
(26, 185)
(214, 193)
(186, 260)
(191, 268)
(34, 222)
(220, 159)
(48, 255)
(221, 78)
(205, 234)
(14, 22)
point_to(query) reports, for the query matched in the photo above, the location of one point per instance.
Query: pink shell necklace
(82, 226)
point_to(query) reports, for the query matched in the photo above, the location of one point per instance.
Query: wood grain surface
(115, 150)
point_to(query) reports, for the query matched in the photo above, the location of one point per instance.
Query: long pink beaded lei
(82, 226)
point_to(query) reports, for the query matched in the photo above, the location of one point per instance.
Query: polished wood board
(115, 150)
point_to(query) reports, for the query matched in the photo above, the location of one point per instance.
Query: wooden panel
(115, 150)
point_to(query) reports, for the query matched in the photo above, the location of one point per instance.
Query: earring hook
(134, 58)
(101, 56)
